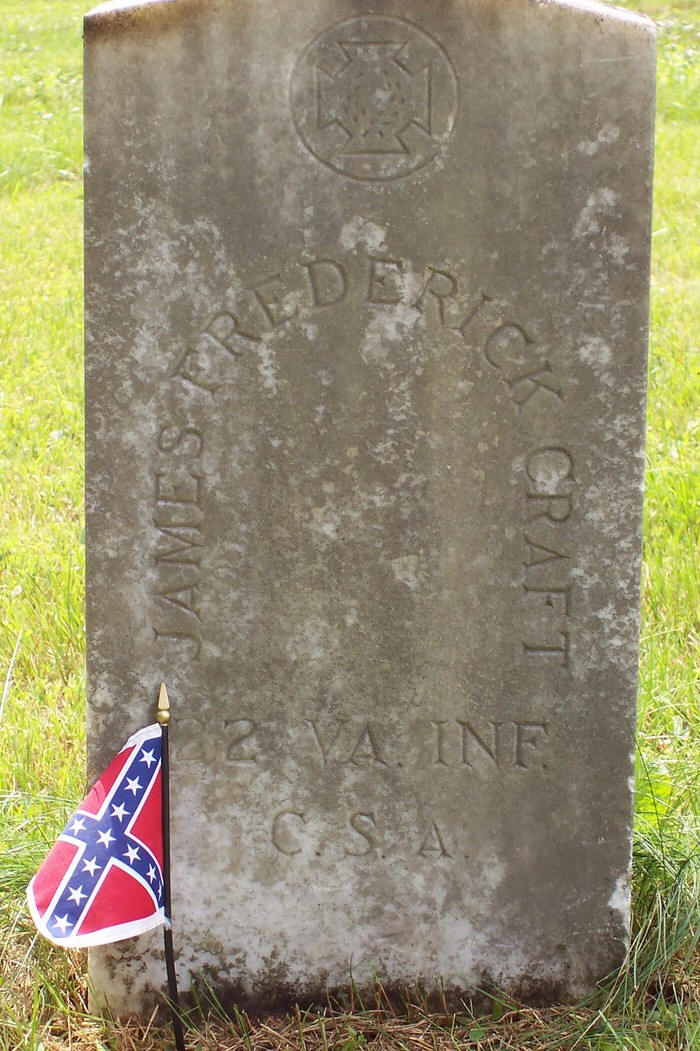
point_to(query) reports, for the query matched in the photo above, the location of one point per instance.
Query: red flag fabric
(103, 879)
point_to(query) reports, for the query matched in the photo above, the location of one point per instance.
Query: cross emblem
(374, 97)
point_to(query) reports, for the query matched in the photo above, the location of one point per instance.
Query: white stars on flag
(76, 894)
(91, 866)
(133, 785)
(148, 758)
(120, 812)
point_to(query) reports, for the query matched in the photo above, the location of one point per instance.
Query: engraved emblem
(374, 98)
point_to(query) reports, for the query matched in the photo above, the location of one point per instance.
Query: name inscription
(178, 516)
(437, 295)
(434, 293)
(547, 566)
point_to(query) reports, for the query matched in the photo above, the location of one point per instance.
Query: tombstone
(366, 339)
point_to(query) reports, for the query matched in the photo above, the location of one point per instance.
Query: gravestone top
(366, 320)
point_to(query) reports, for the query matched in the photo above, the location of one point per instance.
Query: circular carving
(374, 98)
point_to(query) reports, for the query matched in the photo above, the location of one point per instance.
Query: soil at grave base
(279, 1000)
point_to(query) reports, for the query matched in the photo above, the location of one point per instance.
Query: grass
(654, 1002)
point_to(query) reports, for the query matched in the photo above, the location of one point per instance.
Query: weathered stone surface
(366, 338)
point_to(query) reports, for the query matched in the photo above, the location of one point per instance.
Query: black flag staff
(163, 719)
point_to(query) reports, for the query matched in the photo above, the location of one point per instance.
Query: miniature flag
(103, 879)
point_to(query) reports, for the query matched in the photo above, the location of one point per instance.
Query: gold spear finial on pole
(163, 709)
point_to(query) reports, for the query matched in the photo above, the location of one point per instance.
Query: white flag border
(105, 936)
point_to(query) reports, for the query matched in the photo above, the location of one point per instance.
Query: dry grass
(515, 1027)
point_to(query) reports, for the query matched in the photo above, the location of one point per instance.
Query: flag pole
(163, 720)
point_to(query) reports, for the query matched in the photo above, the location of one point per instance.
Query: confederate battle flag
(103, 879)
